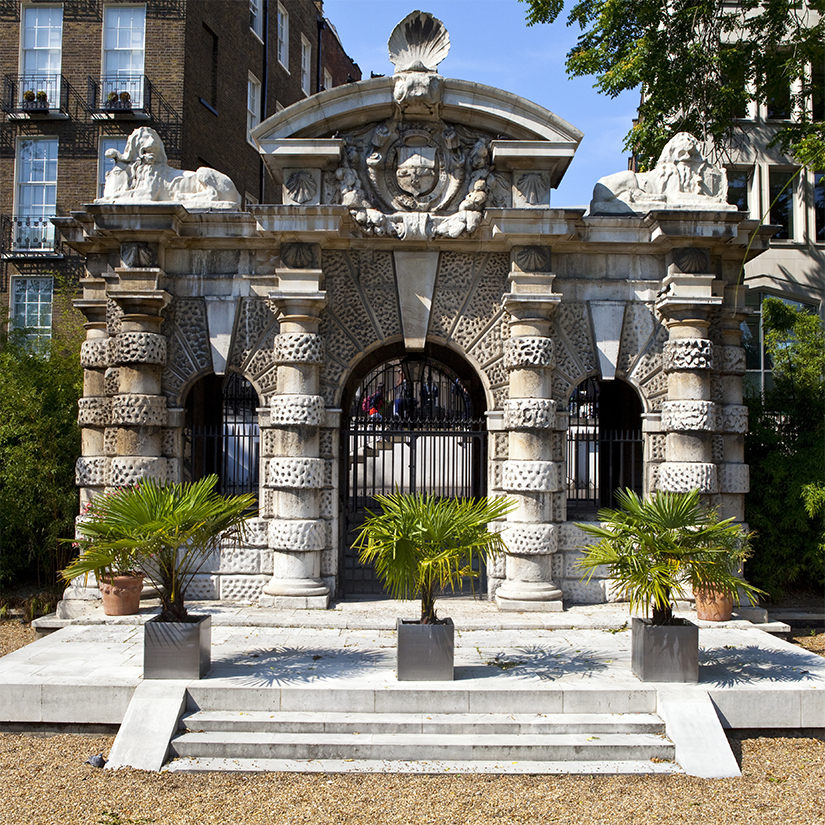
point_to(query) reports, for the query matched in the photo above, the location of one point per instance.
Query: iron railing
(26, 236)
(35, 94)
(119, 94)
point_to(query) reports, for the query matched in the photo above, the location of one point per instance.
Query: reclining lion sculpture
(142, 174)
(682, 179)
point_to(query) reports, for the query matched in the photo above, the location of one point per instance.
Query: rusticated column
(689, 415)
(533, 474)
(294, 470)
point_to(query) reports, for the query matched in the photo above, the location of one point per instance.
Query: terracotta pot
(121, 595)
(712, 606)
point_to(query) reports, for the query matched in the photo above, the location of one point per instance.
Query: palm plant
(421, 544)
(164, 530)
(655, 547)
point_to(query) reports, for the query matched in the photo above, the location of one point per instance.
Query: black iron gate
(411, 429)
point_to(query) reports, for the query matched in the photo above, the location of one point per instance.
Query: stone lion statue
(142, 174)
(682, 179)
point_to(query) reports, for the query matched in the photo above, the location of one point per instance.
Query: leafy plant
(28, 95)
(42, 97)
(168, 531)
(655, 547)
(421, 544)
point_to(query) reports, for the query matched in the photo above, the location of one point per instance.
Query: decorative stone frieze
(288, 473)
(682, 477)
(531, 539)
(94, 354)
(129, 470)
(94, 411)
(299, 348)
(734, 478)
(529, 414)
(297, 535)
(688, 416)
(139, 410)
(140, 348)
(92, 471)
(688, 354)
(297, 410)
(730, 360)
(733, 418)
(531, 476)
(526, 351)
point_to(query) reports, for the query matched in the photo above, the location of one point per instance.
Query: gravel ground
(44, 781)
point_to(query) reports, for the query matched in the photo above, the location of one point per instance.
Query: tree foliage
(785, 448)
(698, 63)
(40, 383)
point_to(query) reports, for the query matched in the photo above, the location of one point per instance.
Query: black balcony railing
(124, 94)
(36, 94)
(24, 236)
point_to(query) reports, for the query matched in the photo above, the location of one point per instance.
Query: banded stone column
(689, 415)
(533, 472)
(729, 361)
(295, 472)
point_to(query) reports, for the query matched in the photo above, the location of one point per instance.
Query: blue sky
(492, 44)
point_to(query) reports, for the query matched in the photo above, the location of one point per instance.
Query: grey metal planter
(425, 652)
(177, 650)
(665, 653)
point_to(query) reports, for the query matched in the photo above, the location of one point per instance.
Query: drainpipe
(264, 89)
(321, 26)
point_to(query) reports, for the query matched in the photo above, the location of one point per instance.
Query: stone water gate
(415, 222)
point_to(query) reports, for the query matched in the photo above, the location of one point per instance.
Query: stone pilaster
(533, 473)
(294, 471)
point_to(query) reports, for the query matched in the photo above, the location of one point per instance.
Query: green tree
(698, 63)
(785, 448)
(40, 383)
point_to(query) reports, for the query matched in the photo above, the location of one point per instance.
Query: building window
(777, 89)
(42, 52)
(36, 193)
(31, 306)
(124, 40)
(306, 65)
(104, 164)
(283, 37)
(739, 185)
(328, 84)
(781, 187)
(819, 206)
(253, 105)
(818, 89)
(255, 16)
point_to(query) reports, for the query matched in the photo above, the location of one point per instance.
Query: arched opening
(414, 423)
(221, 433)
(604, 445)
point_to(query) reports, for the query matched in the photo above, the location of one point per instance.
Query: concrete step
(554, 747)
(429, 766)
(444, 723)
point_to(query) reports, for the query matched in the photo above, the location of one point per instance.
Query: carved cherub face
(416, 172)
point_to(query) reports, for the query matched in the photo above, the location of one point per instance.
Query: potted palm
(421, 545)
(654, 549)
(169, 531)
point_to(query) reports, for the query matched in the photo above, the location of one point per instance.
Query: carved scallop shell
(418, 43)
(301, 187)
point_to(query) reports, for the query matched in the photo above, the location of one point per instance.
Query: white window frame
(132, 81)
(255, 19)
(20, 310)
(306, 66)
(753, 187)
(328, 83)
(32, 55)
(103, 163)
(34, 237)
(253, 105)
(797, 210)
(283, 36)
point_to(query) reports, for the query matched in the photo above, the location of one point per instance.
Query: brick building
(79, 77)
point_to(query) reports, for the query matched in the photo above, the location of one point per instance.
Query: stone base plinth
(295, 602)
(524, 606)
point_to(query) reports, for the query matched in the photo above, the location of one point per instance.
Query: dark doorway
(604, 445)
(221, 434)
(414, 424)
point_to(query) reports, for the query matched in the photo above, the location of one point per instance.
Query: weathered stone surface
(242, 588)
(297, 535)
(733, 418)
(526, 351)
(139, 410)
(688, 354)
(295, 473)
(539, 476)
(687, 416)
(94, 353)
(111, 381)
(92, 471)
(531, 539)
(734, 478)
(129, 470)
(140, 348)
(730, 360)
(297, 410)
(94, 411)
(529, 414)
(682, 477)
(299, 348)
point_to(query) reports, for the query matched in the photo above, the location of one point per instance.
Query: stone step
(444, 723)
(552, 747)
(430, 766)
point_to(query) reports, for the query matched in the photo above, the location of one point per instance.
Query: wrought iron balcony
(120, 95)
(36, 95)
(24, 236)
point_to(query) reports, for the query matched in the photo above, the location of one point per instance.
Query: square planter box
(425, 652)
(665, 653)
(177, 650)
